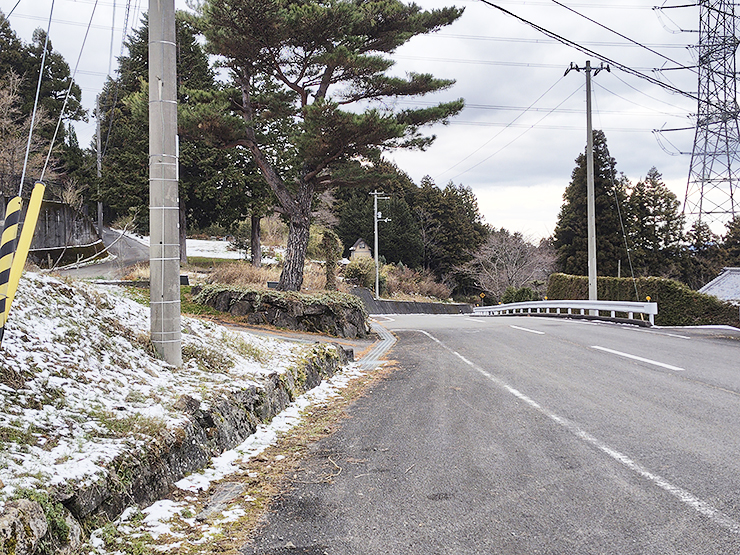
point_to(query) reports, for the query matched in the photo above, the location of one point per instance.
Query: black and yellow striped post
(7, 250)
(23, 246)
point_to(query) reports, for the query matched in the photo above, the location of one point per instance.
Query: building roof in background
(726, 286)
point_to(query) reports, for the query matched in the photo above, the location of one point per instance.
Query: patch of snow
(81, 383)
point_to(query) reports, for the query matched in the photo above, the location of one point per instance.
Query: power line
(518, 136)
(618, 33)
(559, 67)
(590, 52)
(550, 41)
(497, 134)
(66, 97)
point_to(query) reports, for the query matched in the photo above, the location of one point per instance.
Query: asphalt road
(127, 252)
(528, 435)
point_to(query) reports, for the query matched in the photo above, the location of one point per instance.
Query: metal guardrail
(565, 307)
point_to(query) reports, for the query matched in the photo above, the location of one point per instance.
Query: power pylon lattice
(711, 193)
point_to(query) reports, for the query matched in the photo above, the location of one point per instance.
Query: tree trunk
(291, 278)
(256, 245)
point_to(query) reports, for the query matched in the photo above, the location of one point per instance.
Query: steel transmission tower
(711, 193)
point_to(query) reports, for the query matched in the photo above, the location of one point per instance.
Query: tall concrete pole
(377, 216)
(590, 196)
(100, 166)
(164, 253)
(375, 250)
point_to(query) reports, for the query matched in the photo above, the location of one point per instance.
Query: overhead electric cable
(66, 97)
(497, 134)
(550, 41)
(618, 33)
(36, 101)
(518, 136)
(643, 93)
(112, 34)
(559, 67)
(590, 52)
(641, 105)
(13, 9)
(112, 111)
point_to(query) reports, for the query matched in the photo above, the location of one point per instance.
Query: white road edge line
(527, 329)
(684, 496)
(635, 357)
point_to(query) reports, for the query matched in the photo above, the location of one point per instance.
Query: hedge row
(678, 305)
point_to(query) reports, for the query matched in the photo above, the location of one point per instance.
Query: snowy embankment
(79, 383)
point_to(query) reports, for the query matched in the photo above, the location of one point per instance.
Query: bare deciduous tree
(510, 260)
(14, 137)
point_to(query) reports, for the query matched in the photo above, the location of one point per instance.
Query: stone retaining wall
(334, 314)
(147, 475)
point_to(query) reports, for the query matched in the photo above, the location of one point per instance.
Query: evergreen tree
(320, 57)
(214, 186)
(571, 231)
(459, 231)
(702, 257)
(731, 243)
(655, 226)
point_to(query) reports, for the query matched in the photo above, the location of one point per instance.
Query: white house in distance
(360, 250)
(725, 286)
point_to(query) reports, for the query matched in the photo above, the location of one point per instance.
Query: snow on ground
(79, 383)
(212, 249)
(164, 518)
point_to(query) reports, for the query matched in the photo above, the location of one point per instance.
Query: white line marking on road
(527, 329)
(684, 496)
(635, 357)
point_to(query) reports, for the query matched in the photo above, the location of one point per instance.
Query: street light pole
(377, 216)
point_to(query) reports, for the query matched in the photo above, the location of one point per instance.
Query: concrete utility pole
(377, 216)
(100, 166)
(590, 195)
(164, 252)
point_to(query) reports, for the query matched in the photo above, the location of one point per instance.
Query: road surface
(525, 435)
(128, 251)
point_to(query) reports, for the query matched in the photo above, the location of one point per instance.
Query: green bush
(521, 295)
(362, 272)
(678, 305)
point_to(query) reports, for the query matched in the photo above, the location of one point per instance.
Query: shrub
(362, 272)
(678, 305)
(521, 295)
(403, 280)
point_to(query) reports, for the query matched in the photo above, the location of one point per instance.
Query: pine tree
(571, 232)
(320, 57)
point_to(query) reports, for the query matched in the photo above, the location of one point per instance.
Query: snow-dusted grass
(80, 384)
(172, 524)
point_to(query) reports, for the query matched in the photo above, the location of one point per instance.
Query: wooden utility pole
(164, 252)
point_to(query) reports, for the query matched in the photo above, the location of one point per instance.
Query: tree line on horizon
(271, 138)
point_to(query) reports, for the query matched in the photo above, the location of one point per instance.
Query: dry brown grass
(137, 272)
(245, 275)
(405, 282)
(274, 232)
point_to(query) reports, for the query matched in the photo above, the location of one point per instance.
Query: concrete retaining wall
(408, 307)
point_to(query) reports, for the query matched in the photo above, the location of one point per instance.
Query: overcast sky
(517, 161)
